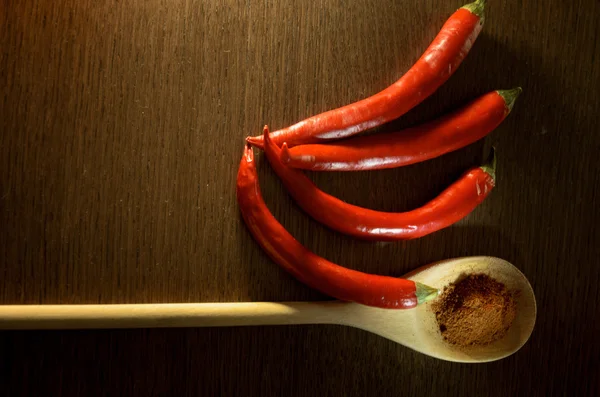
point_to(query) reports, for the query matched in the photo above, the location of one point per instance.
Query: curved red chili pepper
(436, 65)
(378, 151)
(453, 204)
(309, 268)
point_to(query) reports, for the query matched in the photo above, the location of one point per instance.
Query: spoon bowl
(418, 328)
(414, 328)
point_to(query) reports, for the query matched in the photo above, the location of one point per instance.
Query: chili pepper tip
(425, 293)
(510, 96)
(248, 153)
(490, 164)
(255, 141)
(285, 153)
(476, 7)
(266, 137)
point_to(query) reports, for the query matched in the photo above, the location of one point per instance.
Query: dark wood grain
(121, 128)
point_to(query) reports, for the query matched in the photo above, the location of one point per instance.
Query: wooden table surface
(122, 125)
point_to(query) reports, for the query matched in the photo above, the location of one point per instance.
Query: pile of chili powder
(476, 310)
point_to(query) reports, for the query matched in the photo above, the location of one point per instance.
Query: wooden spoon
(415, 328)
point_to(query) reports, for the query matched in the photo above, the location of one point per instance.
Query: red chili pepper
(378, 151)
(436, 65)
(311, 269)
(453, 204)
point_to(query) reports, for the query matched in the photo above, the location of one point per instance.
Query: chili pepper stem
(510, 96)
(490, 164)
(476, 7)
(425, 293)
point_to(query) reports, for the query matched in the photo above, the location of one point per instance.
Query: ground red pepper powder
(476, 310)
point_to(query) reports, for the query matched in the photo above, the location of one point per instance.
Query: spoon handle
(166, 315)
